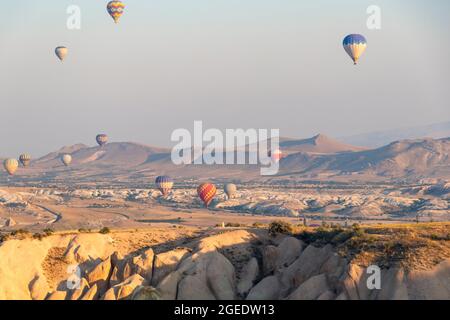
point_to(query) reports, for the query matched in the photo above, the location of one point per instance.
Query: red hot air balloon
(206, 192)
(276, 156)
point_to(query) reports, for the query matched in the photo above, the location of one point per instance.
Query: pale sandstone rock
(39, 288)
(270, 257)
(354, 281)
(267, 289)
(194, 287)
(288, 251)
(146, 293)
(143, 264)
(91, 294)
(221, 278)
(248, 277)
(169, 285)
(100, 275)
(393, 286)
(311, 289)
(432, 284)
(57, 295)
(209, 271)
(351, 281)
(125, 289)
(342, 296)
(307, 265)
(86, 248)
(167, 262)
(327, 295)
(81, 291)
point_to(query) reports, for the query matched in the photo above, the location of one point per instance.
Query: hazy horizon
(261, 64)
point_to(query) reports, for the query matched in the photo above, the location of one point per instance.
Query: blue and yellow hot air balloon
(164, 184)
(101, 139)
(355, 45)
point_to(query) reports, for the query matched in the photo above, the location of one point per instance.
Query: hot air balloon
(66, 159)
(61, 52)
(11, 166)
(25, 159)
(276, 155)
(230, 189)
(355, 45)
(102, 139)
(164, 184)
(206, 192)
(115, 9)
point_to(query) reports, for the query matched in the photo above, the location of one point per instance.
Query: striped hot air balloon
(61, 53)
(355, 45)
(164, 184)
(206, 192)
(66, 159)
(11, 166)
(102, 139)
(25, 159)
(230, 189)
(115, 10)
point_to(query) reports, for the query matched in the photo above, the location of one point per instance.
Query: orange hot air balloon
(206, 192)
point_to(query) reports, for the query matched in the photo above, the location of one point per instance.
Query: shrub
(104, 230)
(233, 225)
(3, 237)
(258, 225)
(48, 231)
(277, 227)
(38, 236)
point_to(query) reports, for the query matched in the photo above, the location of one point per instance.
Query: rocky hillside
(320, 144)
(322, 264)
(381, 138)
(401, 159)
(318, 158)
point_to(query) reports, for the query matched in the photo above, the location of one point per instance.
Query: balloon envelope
(11, 166)
(164, 184)
(206, 192)
(25, 159)
(61, 52)
(115, 9)
(102, 139)
(355, 45)
(276, 155)
(66, 159)
(230, 189)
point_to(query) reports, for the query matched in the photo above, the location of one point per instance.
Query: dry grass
(412, 246)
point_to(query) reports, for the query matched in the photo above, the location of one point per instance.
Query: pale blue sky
(231, 63)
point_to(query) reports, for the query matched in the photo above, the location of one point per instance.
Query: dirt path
(57, 215)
